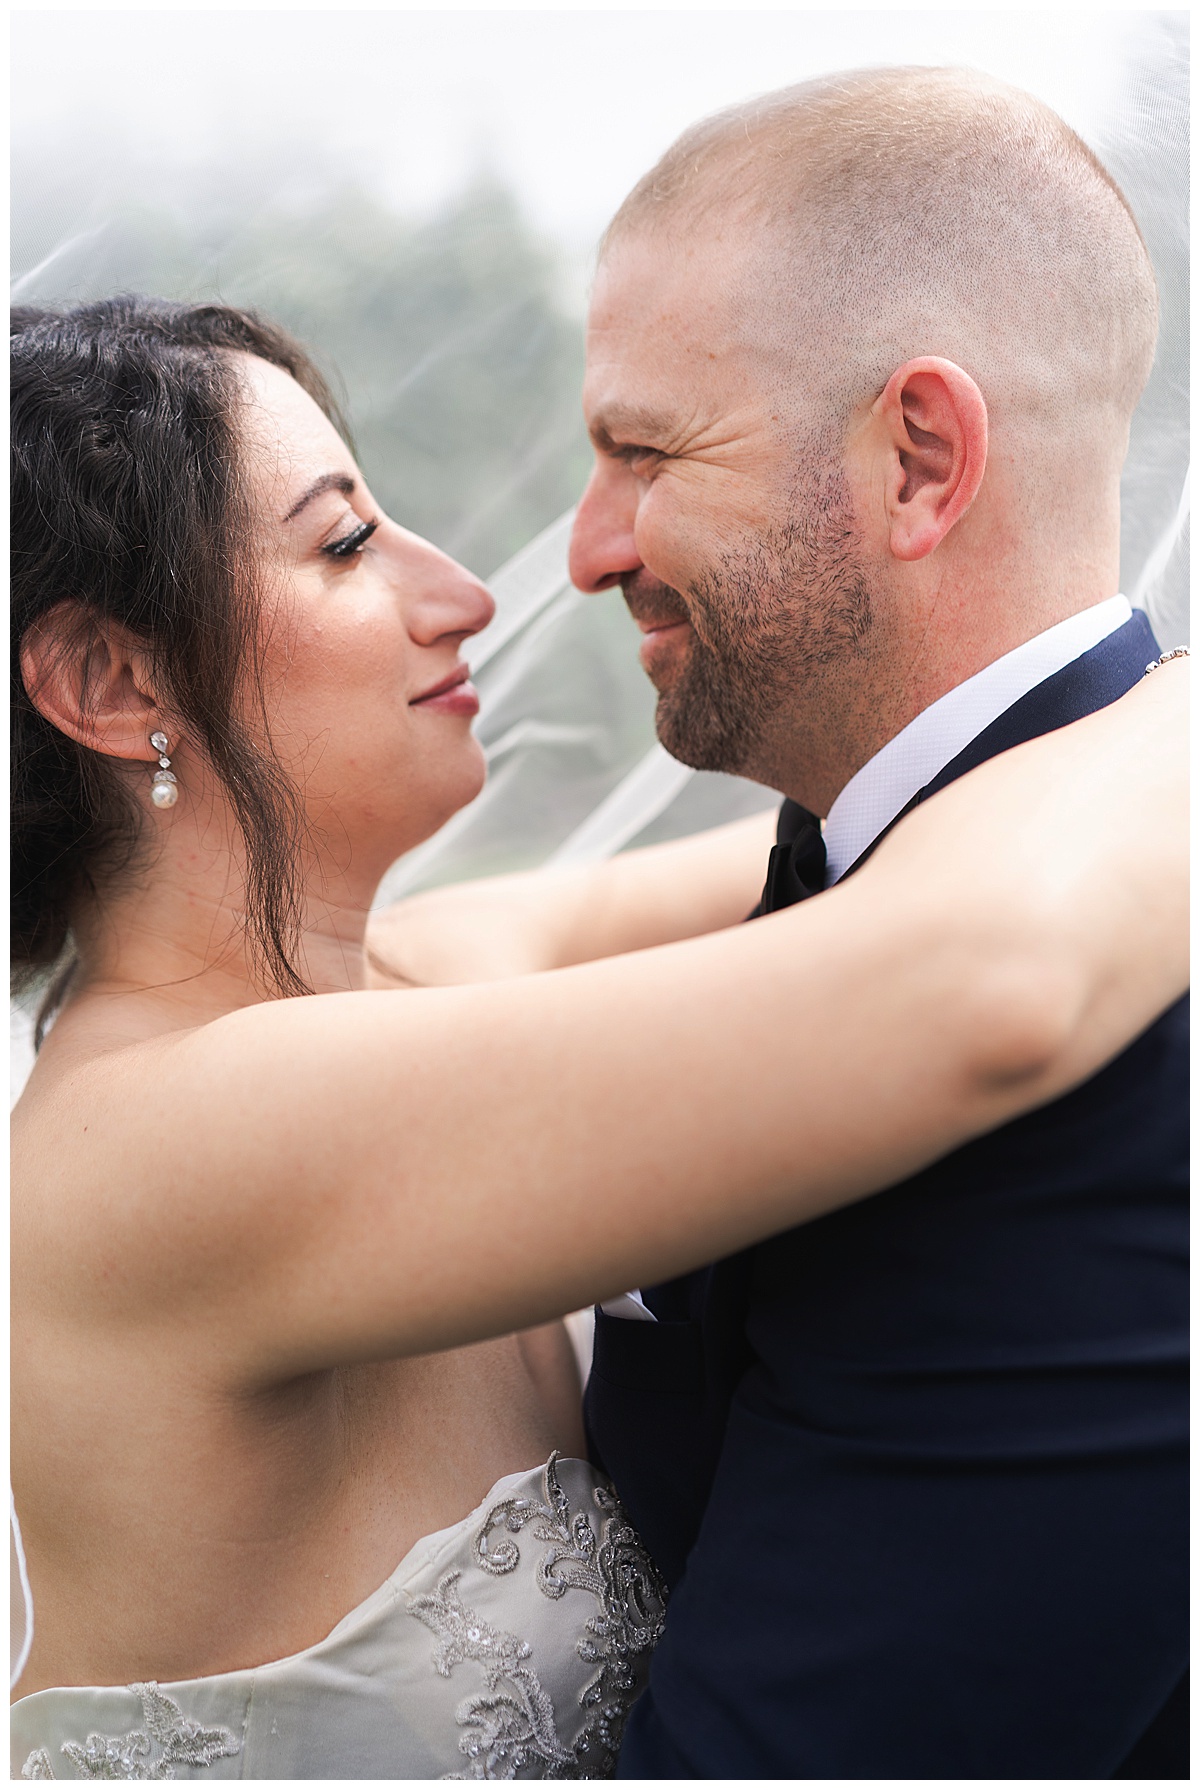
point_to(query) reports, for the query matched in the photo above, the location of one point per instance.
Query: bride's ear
(91, 678)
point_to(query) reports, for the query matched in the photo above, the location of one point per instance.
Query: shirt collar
(876, 794)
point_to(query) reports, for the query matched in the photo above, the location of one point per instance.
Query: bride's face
(369, 707)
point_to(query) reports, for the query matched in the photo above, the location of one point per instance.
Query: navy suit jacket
(916, 1472)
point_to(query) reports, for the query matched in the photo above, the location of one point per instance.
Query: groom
(862, 358)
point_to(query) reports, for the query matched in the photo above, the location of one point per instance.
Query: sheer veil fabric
(567, 714)
(567, 717)
(575, 773)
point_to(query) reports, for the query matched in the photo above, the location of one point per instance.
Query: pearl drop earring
(164, 791)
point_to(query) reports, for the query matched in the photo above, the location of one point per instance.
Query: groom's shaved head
(890, 213)
(862, 358)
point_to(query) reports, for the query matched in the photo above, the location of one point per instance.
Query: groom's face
(719, 506)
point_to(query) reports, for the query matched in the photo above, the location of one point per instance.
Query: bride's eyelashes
(350, 544)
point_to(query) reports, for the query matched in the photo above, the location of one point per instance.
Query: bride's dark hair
(128, 501)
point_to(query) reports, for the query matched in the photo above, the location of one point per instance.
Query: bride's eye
(350, 544)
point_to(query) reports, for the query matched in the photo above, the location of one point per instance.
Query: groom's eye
(641, 459)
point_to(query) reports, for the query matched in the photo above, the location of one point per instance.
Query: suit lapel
(1091, 682)
(716, 1297)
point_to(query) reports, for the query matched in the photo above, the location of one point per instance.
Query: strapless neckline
(419, 1551)
(423, 1548)
(559, 1670)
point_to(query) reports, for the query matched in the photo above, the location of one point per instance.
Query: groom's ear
(932, 431)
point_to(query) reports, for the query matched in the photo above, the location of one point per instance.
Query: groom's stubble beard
(770, 623)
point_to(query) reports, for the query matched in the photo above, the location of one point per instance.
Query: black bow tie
(796, 867)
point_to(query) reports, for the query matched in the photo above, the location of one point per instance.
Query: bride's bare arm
(355, 1176)
(550, 918)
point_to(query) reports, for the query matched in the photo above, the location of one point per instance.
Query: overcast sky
(571, 105)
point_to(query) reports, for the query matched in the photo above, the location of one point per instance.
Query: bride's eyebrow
(328, 481)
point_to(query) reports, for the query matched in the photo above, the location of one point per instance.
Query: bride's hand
(548, 919)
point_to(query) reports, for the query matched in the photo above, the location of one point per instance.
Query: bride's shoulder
(160, 1165)
(115, 1147)
(92, 1067)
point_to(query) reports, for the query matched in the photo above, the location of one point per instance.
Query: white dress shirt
(876, 794)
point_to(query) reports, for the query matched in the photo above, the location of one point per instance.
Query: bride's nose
(445, 598)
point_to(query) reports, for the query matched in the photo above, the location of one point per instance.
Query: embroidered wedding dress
(471, 1661)
(511, 1645)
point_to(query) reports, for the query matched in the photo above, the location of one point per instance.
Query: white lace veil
(567, 715)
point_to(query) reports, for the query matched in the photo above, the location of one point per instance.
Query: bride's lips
(454, 695)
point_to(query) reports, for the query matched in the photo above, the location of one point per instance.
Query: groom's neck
(847, 714)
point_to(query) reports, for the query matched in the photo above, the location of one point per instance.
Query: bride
(296, 1440)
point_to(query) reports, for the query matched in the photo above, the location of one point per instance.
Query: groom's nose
(602, 544)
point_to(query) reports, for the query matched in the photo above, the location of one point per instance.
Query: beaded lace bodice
(511, 1645)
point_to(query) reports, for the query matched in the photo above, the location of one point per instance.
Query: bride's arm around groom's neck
(549, 918)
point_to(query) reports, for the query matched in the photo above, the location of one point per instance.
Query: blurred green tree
(448, 337)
